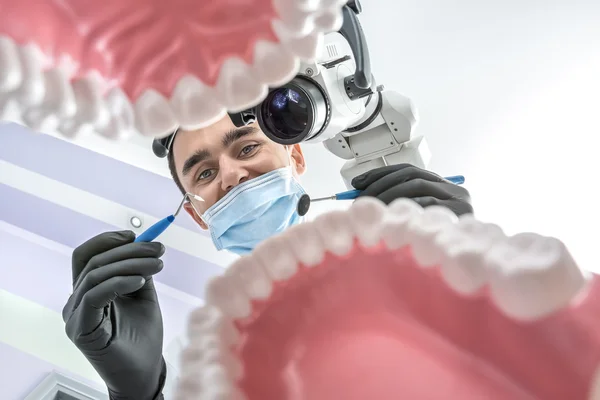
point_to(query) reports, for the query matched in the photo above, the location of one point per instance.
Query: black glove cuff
(161, 381)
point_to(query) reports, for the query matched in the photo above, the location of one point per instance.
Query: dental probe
(158, 228)
(305, 200)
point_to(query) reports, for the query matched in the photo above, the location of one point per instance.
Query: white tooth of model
(329, 21)
(423, 231)
(121, 121)
(274, 65)
(295, 18)
(251, 277)
(91, 108)
(336, 232)
(227, 294)
(306, 47)
(11, 75)
(464, 245)
(398, 222)
(367, 216)
(276, 258)
(306, 244)
(209, 320)
(195, 105)
(532, 276)
(237, 87)
(153, 115)
(58, 104)
(32, 90)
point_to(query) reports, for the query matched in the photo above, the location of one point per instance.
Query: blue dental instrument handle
(155, 230)
(353, 194)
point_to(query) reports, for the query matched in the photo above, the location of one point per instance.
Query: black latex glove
(407, 181)
(113, 316)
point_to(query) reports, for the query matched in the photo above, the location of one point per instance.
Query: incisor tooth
(195, 105)
(274, 65)
(11, 75)
(464, 245)
(532, 276)
(237, 87)
(367, 215)
(153, 115)
(91, 109)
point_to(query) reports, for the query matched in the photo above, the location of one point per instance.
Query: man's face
(212, 161)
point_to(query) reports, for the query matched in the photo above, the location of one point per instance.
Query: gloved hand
(407, 181)
(113, 316)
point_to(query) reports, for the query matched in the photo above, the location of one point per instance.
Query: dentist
(250, 186)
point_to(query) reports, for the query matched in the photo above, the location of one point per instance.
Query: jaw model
(397, 303)
(117, 67)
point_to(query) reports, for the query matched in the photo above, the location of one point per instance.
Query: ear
(297, 158)
(190, 210)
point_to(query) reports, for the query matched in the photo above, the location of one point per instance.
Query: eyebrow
(230, 137)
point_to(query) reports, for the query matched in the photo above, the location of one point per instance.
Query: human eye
(204, 175)
(248, 149)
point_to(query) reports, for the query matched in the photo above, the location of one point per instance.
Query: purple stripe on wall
(21, 373)
(103, 176)
(182, 271)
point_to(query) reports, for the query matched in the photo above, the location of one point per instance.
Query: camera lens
(293, 113)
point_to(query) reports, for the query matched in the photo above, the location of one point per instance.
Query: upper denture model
(120, 67)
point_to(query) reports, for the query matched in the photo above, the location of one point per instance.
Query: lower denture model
(397, 302)
(118, 67)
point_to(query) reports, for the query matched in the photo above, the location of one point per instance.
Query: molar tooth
(274, 65)
(251, 277)
(226, 293)
(11, 75)
(33, 88)
(277, 259)
(306, 244)
(306, 47)
(293, 16)
(121, 121)
(237, 87)
(206, 350)
(91, 109)
(396, 226)
(195, 105)
(367, 215)
(208, 320)
(153, 115)
(58, 104)
(216, 385)
(532, 276)
(464, 245)
(330, 20)
(336, 232)
(424, 229)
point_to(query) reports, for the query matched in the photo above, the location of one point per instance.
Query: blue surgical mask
(254, 211)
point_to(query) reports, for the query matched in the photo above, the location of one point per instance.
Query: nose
(232, 174)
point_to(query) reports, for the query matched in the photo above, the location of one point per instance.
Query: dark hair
(173, 169)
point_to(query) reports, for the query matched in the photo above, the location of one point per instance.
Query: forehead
(187, 142)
